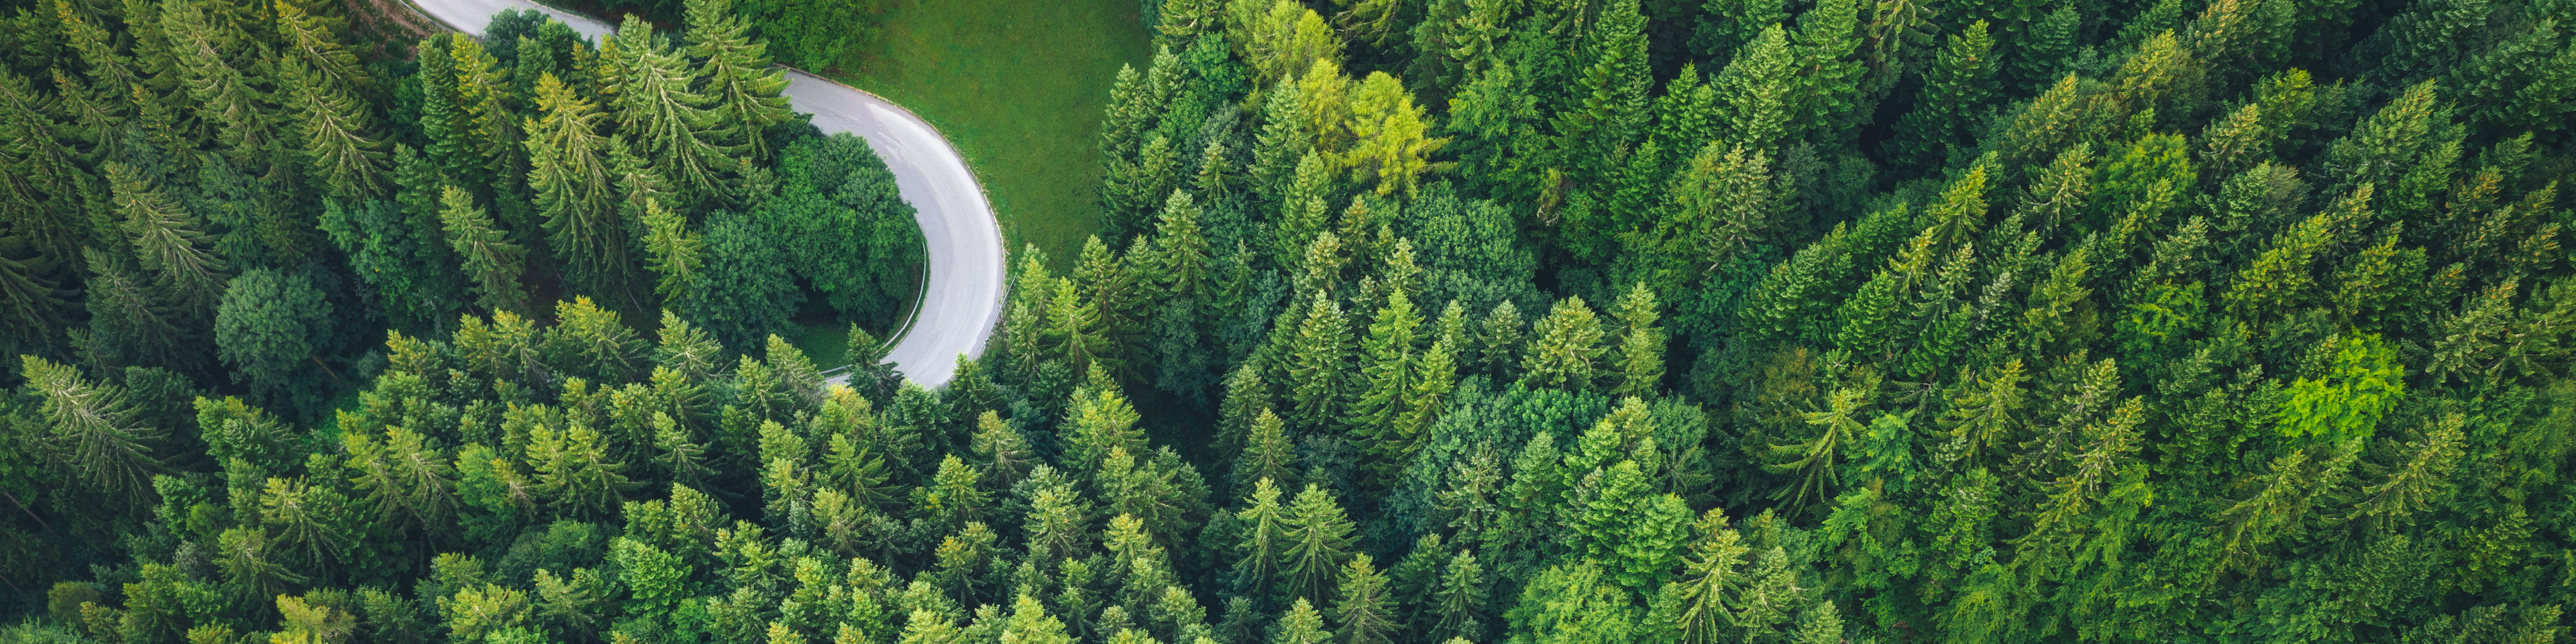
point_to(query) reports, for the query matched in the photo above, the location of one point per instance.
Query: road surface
(962, 301)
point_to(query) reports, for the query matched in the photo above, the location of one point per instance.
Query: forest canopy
(1439, 321)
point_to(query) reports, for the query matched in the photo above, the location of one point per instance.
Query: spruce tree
(489, 257)
(669, 122)
(1318, 543)
(1317, 358)
(168, 239)
(1756, 90)
(1387, 369)
(733, 71)
(1641, 344)
(1365, 612)
(1302, 625)
(91, 425)
(1261, 553)
(1267, 455)
(1567, 352)
(570, 170)
(675, 253)
(1829, 76)
(333, 131)
(1954, 89)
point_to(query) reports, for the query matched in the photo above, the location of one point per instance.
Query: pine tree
(1755, 92)
(1815, 460)
(333, 126)
(669, 123)
(1317, 539)
(1641, 344)
(1387, 369)
(93, 428)
(1567, 352)
(1247, 396)
(734, 72)
(1364, 612)
(1501, 336)
(1264, 545)
(1460, 599)
(314, 42)
(569, 168)
(133, 320)
(1101, 421)
(1955, 89)
(1721, 204)
(489, 257)
(1302, 625)
(1317, 358)
(488, 128)
(1610, 94)
(1003, 451)
(1267, 456)
(1390, 143)
(211, 64)
(675, 253)
(168, 239)
(1830, 77)
(1432, 382)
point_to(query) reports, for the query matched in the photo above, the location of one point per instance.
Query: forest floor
(1018, 86)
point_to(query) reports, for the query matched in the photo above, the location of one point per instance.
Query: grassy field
(1018, 85)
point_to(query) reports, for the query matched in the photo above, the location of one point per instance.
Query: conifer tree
(168, 239)
(1610, 95)
(1460, 598)
(1720, 204)
(133, 319)
(1501, 336)
(1388, 368)
(211, 64)
(1004, 453)
(569, 168)
(1567, 352)
(733, 70)
(92, 427)
(1830, 77)
(314, 42)
(1246, 397)
(1267, 456)
(333, 127)
(1264, 548)
(488, 256)
(1641, 344)
(1365, 613)
(675, 253)
(1318, 543)
(1756, 90)
(667, 120)
(489, 129)
(1954, 89)
(1100, 422)
(1316, 361)
(1302, 625)
(1815, 460)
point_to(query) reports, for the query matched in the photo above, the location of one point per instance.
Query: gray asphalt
(963, 300)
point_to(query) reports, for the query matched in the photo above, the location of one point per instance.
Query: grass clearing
(1018, 86)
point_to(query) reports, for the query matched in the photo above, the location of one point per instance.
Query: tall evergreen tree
(733, 71)
(494, 263)
(570, 171)
(669, 122)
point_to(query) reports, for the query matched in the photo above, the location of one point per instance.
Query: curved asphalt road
(963, 300)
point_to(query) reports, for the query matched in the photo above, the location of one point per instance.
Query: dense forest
(1438, 321)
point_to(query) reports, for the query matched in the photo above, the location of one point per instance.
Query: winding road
(962, 299)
